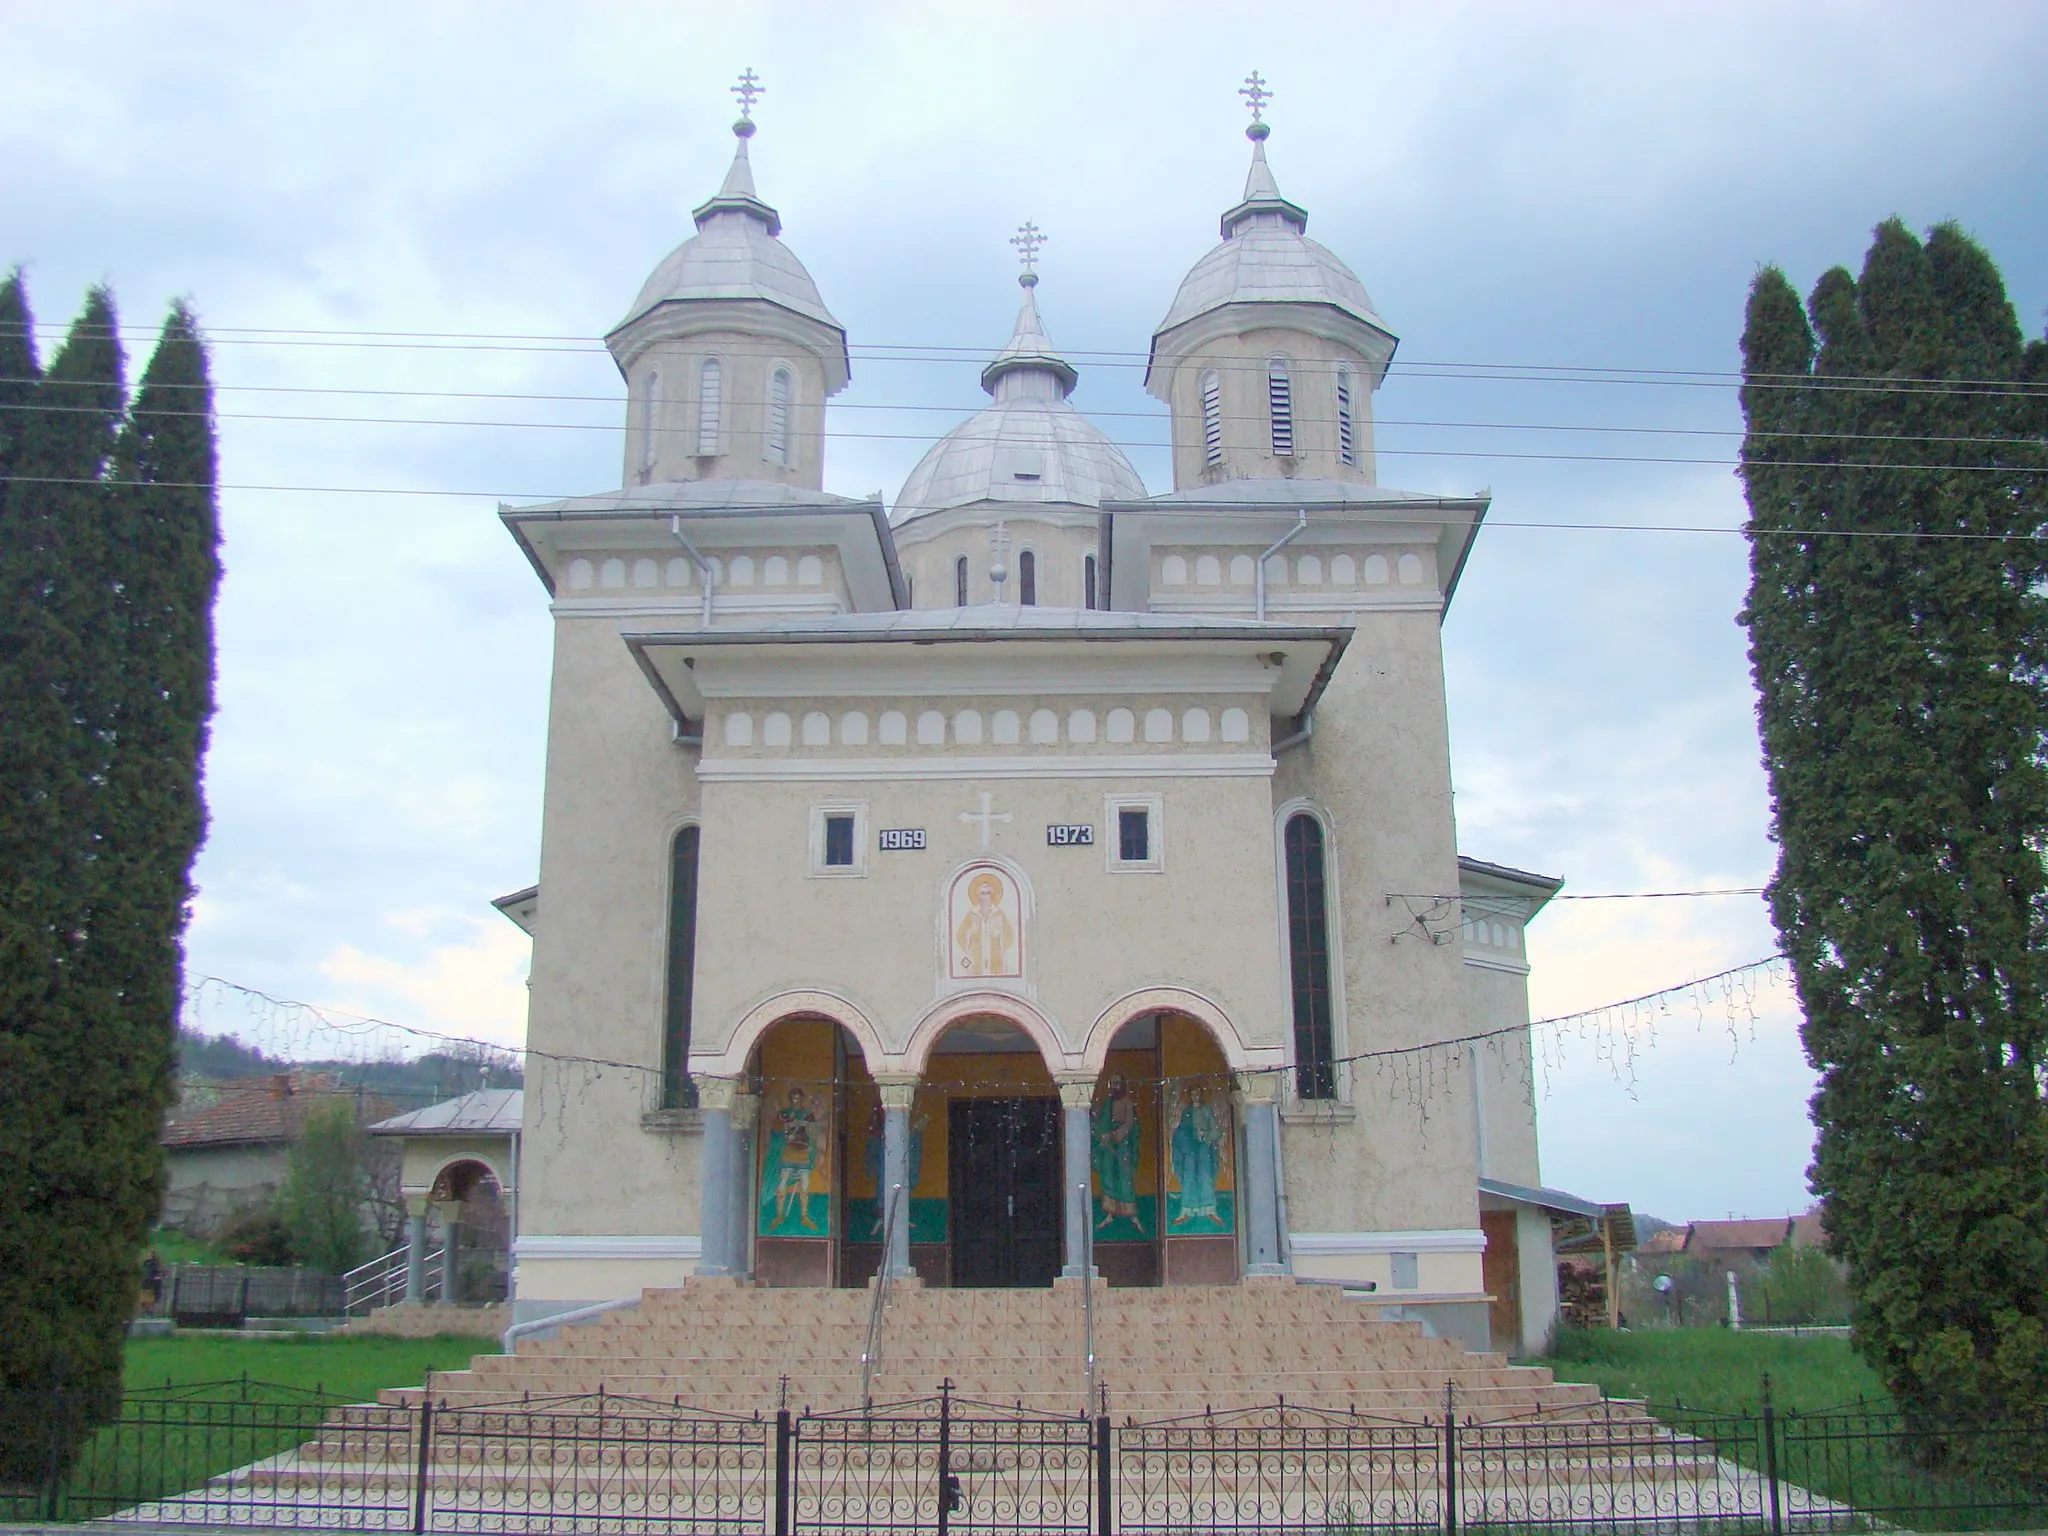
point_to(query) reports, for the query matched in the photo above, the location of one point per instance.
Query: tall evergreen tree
(62, 1306)
(18, 371)
(1899, 641)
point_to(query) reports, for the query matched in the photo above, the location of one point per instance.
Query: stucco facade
(1131, 888)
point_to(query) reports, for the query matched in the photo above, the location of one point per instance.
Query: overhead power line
(1116, 358)
(622, 427)
(1414, 514)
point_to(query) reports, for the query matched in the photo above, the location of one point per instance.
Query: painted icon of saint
(1197, 1153)
(792, 1154)
(986, 936)
(1116, 1129)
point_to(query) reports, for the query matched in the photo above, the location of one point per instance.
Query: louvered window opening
(677, 1091)
(1212, 418)
(960, 582)
(1346, 439)
(778, 417)
(710, 400)
(1280, 402)
(1027, 579)
(1308, 955)
(650, 400)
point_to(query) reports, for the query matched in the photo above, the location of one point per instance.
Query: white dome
(1270, 265)
(1266, 258)
(1021, 450)
(734, 255)
(1030, 446)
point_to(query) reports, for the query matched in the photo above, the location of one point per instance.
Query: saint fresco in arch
(793, 1146)
(1116, 1133)
(985, 925)
(1197, 1149)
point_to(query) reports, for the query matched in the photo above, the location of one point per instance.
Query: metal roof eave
(1334, 637)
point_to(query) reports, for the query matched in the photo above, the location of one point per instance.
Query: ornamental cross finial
(1027, 240)
(1256, 95)
(750, 86)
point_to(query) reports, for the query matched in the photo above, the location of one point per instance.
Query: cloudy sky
(1525, 190)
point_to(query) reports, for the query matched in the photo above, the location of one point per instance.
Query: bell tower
(1271, 352)
(729, 352)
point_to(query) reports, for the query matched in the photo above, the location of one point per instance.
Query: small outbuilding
(460, 1176)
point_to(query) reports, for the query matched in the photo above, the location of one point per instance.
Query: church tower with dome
(1037, 878)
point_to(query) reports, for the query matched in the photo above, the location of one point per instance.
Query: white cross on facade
(985, 816)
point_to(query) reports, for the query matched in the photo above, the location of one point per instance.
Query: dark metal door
(1004, 1157)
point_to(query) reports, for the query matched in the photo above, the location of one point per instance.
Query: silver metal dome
(1266, 258)
(734, 254)
(1030, 446)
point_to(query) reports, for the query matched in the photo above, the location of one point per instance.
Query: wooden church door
(1004, 1156)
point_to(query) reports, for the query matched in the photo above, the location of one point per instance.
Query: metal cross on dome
(1256, 95)
(1028, 239)
(750, 86)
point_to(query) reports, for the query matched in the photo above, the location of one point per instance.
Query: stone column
(1257, 1104)
(415, 1247)
(450, 1214)
(746, 1113)
(897, 1098)
(714, 1210)
(1077, 1098)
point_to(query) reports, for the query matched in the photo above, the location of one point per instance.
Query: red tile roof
(255, 1111)
(1725, 1236)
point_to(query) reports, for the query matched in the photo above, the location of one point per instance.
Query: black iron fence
(248, 1455)
(228, 1295)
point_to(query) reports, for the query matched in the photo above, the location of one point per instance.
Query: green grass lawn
(1716, 1368)
(176, 1248)
(351, 1367)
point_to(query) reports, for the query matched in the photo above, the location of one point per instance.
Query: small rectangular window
(839, 842)
(1133, 835)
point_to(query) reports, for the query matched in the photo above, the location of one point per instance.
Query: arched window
(677, 1091)
(710, 402)
(778, 417)
(1088, 594)
(1212, 419)
(1280, 405)
(1347, 437)
(1308, 955)
(960, 582)
(1027, 580)
(650, 399)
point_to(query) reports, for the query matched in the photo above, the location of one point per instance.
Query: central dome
(1030, 446)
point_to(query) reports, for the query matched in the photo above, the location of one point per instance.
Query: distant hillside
(422, 1080)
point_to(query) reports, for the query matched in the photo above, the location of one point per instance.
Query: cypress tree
(1899, 643)
(67, 1280)
(18, 371)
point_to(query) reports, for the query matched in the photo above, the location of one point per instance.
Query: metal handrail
(381, 1281)
(871, 1346)
(1088, 1292)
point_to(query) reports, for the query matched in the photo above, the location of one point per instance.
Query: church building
(1034, 872)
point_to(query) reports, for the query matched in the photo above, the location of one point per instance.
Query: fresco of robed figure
(984, 919)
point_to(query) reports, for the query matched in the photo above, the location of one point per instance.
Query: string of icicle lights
(292, 1031)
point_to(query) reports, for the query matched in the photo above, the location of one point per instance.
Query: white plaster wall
(747, 361)
(647, 574)
(1539, 1279)
(1400, 1153)
(1239, 362)
(617, 789)
(929, 545)
(1499, 999)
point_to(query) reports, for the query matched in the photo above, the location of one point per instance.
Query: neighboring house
(1751, 1240)
(1809, 1231)
(228, 1144)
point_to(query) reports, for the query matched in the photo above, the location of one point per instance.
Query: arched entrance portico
(1165, 1163)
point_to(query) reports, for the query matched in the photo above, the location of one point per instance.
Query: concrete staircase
(730, 1347)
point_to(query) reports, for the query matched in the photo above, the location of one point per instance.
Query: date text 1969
(902, 839)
